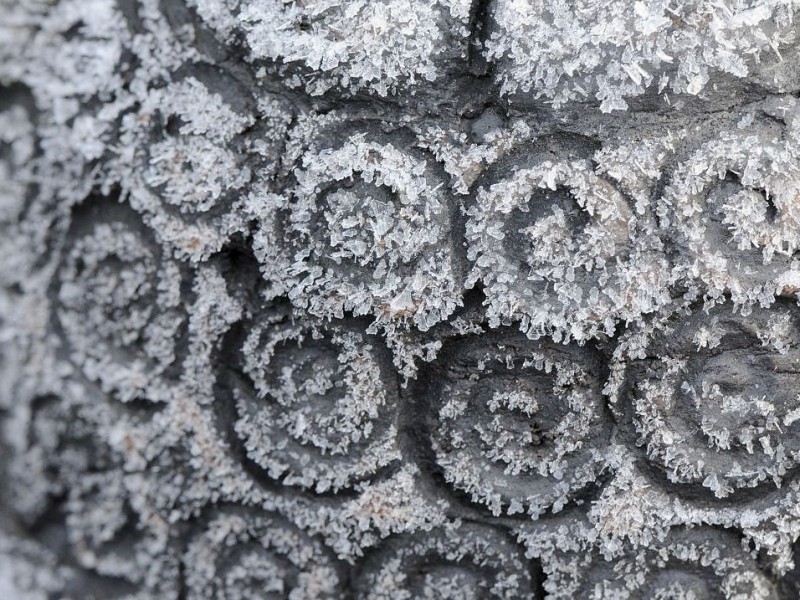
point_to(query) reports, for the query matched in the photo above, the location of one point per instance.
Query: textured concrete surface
(398, 299)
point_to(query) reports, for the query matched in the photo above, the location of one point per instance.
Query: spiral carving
(470, 561)
(518, 424)
(733, 207)
(253, 554)
(194, 155)
(74, 478)
(319, 409)
(555, 247)
(119, 303)
(713, 397)
(369, 234)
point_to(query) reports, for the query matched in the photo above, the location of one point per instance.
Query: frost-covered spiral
(519, 425)
(245, 554)
(379, 45)
(697, 564)
(554, 245)
(54, 446)
(369, 233)
(714, 397)
(189, 166)
(566, 52)
(459, 563)
(321, 411)
(187, 159)
(118, 301)
(732, 209)
(104, 530)
(70, 476)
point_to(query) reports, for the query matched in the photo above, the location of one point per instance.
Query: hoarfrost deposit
(399, 299)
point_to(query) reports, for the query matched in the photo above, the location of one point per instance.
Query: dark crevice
(479, 28)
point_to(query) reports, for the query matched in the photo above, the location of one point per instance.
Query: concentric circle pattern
(715, 399)
(556, 247)
(368, 232)
(469, 562)
(110, 281)
(398, 300)
(321, 406)
(252, 554)
(518, 424)
(733, 206)
(697, 563)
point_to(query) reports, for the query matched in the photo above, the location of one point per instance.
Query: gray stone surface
(399, 299)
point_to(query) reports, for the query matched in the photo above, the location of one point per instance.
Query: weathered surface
(399, 299)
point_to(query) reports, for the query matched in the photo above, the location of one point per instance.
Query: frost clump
(608, 51)
(17, 148)
(378, 44)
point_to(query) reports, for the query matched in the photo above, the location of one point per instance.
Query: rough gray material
(399, 299)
